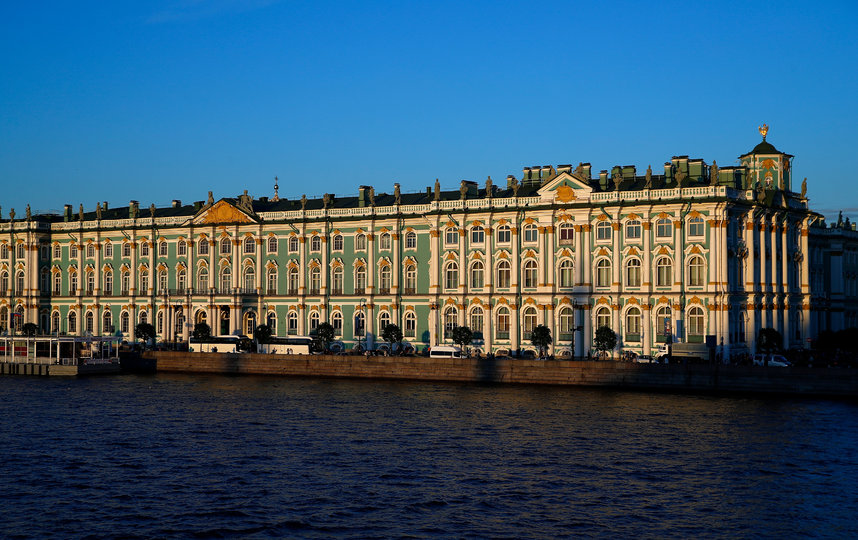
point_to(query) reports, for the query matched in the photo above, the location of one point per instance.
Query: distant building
(693, 251)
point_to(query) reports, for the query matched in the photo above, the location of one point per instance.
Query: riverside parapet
(696, 378)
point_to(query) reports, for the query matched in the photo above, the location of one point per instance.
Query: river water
(184, 456)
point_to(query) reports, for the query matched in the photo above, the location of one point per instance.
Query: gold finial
(763, 130)
(276, 189)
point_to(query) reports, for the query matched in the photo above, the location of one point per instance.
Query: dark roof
(764, 147)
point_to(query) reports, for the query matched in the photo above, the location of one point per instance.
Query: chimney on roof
(104, 205)
(67, 212)
(362, 196)
(198, 205)
(177, 203)
(133, 209)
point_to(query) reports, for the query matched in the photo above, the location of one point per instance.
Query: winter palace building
(693, 251)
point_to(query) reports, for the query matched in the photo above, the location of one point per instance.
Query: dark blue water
(210, 457)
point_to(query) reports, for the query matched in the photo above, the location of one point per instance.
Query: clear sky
(169, 99)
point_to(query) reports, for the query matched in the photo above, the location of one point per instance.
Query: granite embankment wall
(823, 382)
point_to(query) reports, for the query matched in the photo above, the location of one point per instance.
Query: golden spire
(763, 130)
(276, 189)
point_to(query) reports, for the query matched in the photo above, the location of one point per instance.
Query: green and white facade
(692, 251)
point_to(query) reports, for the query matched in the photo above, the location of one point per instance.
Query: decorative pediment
(223, 212)
(565, 188)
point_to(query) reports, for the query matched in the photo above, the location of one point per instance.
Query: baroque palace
(691, 252)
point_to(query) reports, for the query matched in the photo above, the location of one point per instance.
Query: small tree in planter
(462, 336)
(144, 332)
(326, 334)
(392, 334)
(605, 339)
(541, 338)
(202, 331)
(29, 329)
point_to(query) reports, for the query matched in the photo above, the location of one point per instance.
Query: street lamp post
(362, 334)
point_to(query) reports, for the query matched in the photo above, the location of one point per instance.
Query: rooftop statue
(80, 212)
(579, 170)
(617, 179)
(396, 194)
(714, 173)
(211, 199)
(648, 177)
(12, 214)
(152, 210)
(29, 214)
(804, 188)
(371, 196)
(463, 190)
(303, 202)
(515, 186)
(437, 190)
(680, 176)
(98, 210)
(489, 187)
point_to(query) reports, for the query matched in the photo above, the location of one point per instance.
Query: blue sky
(170, 99)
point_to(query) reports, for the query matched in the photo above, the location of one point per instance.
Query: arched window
(451, 275)
(293, 281)
(203, 279)
(292, 323)
(603, 273)
(45, 281)
(478, 235)
(162, 281)
(411, 240)
(271, 322)
(477, 274)
(696, 271)
(337, 323)
(108, 282)
(337, 280)
(159, 323)
(663, 272)
(58, 283)
(338, 242)
(742, 327)
(360, 242)
(360, 279)
(89, 321)
(272, 280)
(383, 320)
(272, 245)
(144, 317)
(73, 280)
(567, 274)
(603, 317)
(696, 327)
(451, 236)
(108, 250)
(504, 275)
(249, 279)
(107, 322)
(19, 282)
(181, 279)
(315, 280)
(410, 279)
(55, 322)
(4, 251)
(202, 247)
(314, 321)
(124, 322)
(72, 322)
(566, 233)
(663, 228)
(451, 321)
(225, 279)
(359, 324)
(529, 321)
(316, 244)
(249, 245)
(90, 282)
(162, 249)
(504, 235)
(225, 246)
(90, 249)
(633, 273)
(530, 274)
(477, 321)
(410, 324)
(293, 244)
(502, 325)
(663, 324)
(4, 282)
(384, 279)
(633, 324)
(695, 226)
(384, 241)
(633, 229)
(531, 234)
(603, 230)
(181, 248)
(567, 323)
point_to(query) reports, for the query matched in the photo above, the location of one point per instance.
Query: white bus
(287, 345)
(445, 351)
(219, 344)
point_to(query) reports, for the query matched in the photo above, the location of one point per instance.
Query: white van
(445, 351)
(775, 360)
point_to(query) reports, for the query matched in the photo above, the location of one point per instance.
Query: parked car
(774, 360)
